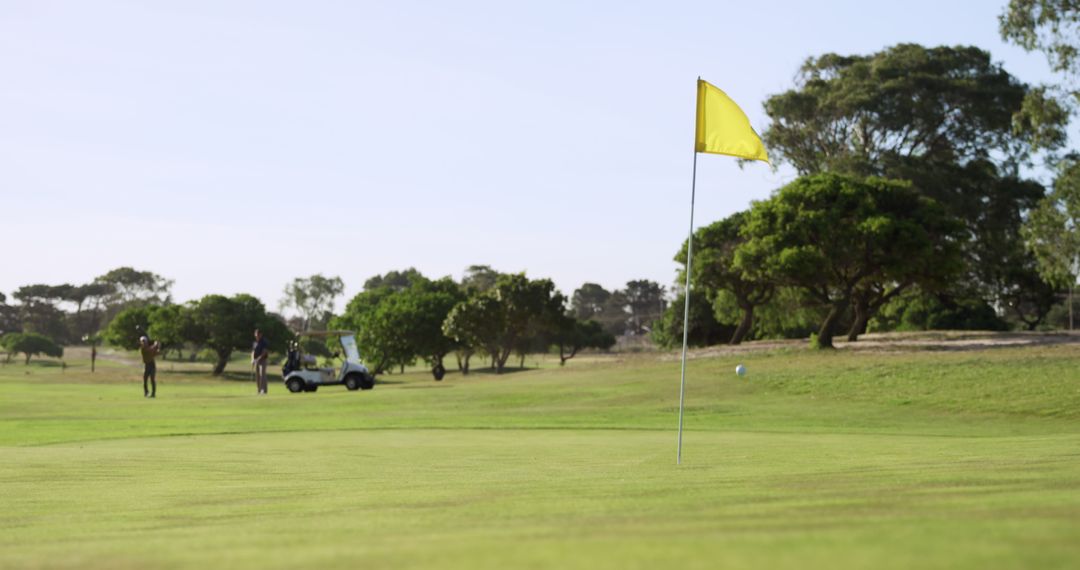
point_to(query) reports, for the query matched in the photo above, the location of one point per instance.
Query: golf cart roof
(325, 334)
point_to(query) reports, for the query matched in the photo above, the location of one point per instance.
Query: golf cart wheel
(295, 385)
(352, 381)
(310, 388)
(367, 382)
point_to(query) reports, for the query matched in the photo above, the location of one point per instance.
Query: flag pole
(686, 308)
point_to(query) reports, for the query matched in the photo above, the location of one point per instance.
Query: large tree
(413, 318)
(866, 114)
(948, 119)
(476, 325)
(225, 324)
(832, 234)
(500, 320)
(313, 297)
(715, 271)
(381, 321)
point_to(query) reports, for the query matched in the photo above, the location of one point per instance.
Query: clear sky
(235, 145)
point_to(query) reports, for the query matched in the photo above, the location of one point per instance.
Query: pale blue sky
(232, 146)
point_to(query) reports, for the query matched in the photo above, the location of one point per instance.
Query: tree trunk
(27, 362)
(744, 325)
(862, 317)
(563, 357)
(501, 361)
(465, 368)
(402, 368)
(222, 361)
(828, 326)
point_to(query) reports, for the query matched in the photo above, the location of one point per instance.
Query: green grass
(843, 459)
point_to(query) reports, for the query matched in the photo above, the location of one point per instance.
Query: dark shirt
(260, 349)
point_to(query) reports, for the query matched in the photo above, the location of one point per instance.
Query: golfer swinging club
(260, 353)
(149, 353)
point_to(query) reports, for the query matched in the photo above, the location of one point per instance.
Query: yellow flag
(722, 127)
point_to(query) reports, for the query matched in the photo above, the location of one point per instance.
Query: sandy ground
(892, 342)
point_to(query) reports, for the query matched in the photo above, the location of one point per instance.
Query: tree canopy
(30, 344)
(831, 234)
(313, 297)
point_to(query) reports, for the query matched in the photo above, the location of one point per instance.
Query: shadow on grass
(35, 363)
(231, 376)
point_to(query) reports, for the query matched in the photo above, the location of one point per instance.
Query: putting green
(837, 460)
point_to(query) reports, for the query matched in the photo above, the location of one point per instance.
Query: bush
(922, 312)
(30, 344)
(705, 330)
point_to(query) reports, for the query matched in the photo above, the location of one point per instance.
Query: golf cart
(302, 374)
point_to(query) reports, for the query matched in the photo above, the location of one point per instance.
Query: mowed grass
(934, 459)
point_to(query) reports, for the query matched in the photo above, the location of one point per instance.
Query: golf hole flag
(722, 127)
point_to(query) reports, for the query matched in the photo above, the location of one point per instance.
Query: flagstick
(686, 308)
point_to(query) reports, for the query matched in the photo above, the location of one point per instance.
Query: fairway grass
(833, 460)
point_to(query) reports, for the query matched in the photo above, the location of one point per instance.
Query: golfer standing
(260, 353)
(149, 354)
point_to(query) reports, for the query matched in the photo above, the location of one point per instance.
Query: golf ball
(740, 370)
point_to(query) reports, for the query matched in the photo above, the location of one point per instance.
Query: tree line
(401, 318)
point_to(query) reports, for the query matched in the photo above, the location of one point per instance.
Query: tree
(379, 328)
(313, 297)
(30, 344)
(501, 320)
(831, 234)
(225, 324)
(714, 270)
(407, 324)
(397, 280)
(130, 286)
(1049, 26)
(572, 335)
(9, 317)
(126, 327)
(89, 300)
(173, 326)
(948, 119)
(645, 299)
(39, 310)
(589, 301)
(428, 305)
(614, 317)
(1052, 231)
(475, 325)
(479, 278)
(864, 114)
(704, 329)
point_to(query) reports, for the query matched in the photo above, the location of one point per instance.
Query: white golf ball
(740, 370)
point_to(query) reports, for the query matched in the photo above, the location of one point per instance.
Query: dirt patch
(895, 342)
